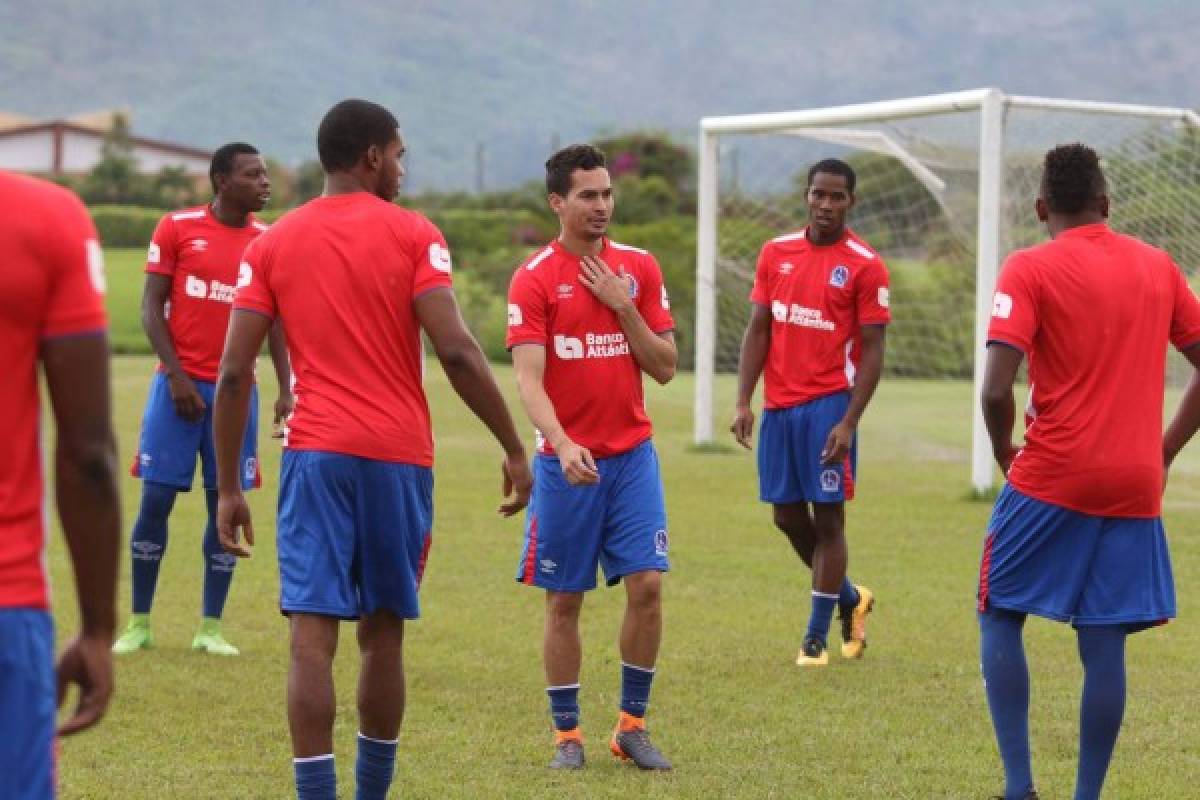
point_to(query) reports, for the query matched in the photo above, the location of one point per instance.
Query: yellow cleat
(812, 654)
(854, 625)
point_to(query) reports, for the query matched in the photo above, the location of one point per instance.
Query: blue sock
(848, 597)
(821, 616)
(635, 689)
(1006, 681)
(315, 778)
(148, 542)
(218, 565)
(1102, 651)
(374, 769)
(564, 706)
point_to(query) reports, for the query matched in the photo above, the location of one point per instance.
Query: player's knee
(562, 608)
(157, 501)
(645, 591)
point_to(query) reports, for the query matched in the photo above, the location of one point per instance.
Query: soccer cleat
(854, 624)
(137, 636)
(209, 640)
(568, 750)
(631, 742)
(812, 653)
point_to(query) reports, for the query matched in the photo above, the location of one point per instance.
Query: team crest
(633, 284)
(251, 468)
(660, 542)
(830, 480)
(839, 276)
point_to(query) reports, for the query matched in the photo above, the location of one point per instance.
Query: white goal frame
(991, 103)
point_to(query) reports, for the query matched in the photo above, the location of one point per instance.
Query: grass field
(729, 706)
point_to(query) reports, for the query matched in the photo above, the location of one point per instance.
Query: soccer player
(586, 316)
(818, 314)
(354, 278)
(191, 273)
(1075, 535)
(52, 310)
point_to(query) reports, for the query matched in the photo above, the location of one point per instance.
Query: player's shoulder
(536, 263)
(185, 215)
(639, 258)
(789, 243)
(26, 192)
(859, 250)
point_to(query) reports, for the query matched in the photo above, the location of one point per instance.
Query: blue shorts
(619, 523)
(790, 442)
(1072, 567)
(27, 707)
(353, 534)
(168, 443)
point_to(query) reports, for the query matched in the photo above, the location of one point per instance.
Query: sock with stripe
(218, 565)
(821, 616)
(374, 768)
(635, 689)
(564, 707)
(316, 778)
(148, 542)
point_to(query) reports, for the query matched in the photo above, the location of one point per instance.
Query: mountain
(518, 77)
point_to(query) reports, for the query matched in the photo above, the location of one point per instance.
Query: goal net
(946, 185)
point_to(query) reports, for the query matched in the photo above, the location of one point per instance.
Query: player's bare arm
(577, 462)
(155, 294)
(471, 377)
(655, 353)
(756, 342)
(89, 509)
(231, 407)
(870, 368)
(1186, 421)
(999, 407)
(285, 402)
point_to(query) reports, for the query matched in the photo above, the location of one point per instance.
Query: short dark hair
(560, 166)
(833, 166)
(224, 158)
(349, 128)
(1072, 180)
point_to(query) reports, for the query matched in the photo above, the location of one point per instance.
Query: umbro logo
(199, 245)
(786, 268)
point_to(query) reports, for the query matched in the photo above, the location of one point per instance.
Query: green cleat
(209, 639)
(137, 636)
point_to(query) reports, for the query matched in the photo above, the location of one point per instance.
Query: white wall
(34, 152)
(27, 152)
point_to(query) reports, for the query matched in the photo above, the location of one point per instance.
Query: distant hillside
(517, 77)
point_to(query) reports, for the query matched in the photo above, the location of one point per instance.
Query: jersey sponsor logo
(515, 317)
(786, 268)
(199, 245)
(839, 277)
(802, 316)
(95, 264)
(154, 254)
(1002, 305)
(245, 275)
(831, 479)
(208, 290)
(439, 257)
(592, 345)
(565, 291)
(884, 297)
(660, 542)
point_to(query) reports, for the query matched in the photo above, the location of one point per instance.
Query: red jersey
(51, 285)
(201, 255)
(1094, 310)
(591, 377)
(820, 296)
(342, 273)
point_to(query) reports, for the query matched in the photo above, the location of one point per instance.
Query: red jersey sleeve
(431, 257)
(76, 301)
(653, 303)
(1185, 318)
(526, 310)
(254, 281)
(761, 293)
(161, 255)
(871, 299)
(1014, 306)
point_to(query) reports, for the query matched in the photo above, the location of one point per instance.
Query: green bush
(125, 226)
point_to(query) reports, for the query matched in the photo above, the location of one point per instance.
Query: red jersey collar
(1085, 231)
(563, 251)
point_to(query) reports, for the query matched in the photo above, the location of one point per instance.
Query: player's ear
(853, 200)
(1102, 205)
(373, 157)
(556, 201)
(1043, 213)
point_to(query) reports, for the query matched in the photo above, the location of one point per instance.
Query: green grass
(729, 706)
(125, 268)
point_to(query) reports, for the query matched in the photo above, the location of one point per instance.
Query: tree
(115, 178)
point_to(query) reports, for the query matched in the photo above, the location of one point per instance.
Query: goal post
(945, 190)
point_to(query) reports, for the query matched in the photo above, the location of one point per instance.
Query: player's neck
(226, 214)
(1058, 223)
(579, 246)
(344, 183)
(816, 238)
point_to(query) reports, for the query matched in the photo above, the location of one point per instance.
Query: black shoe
(634, 745)
(568, 754)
